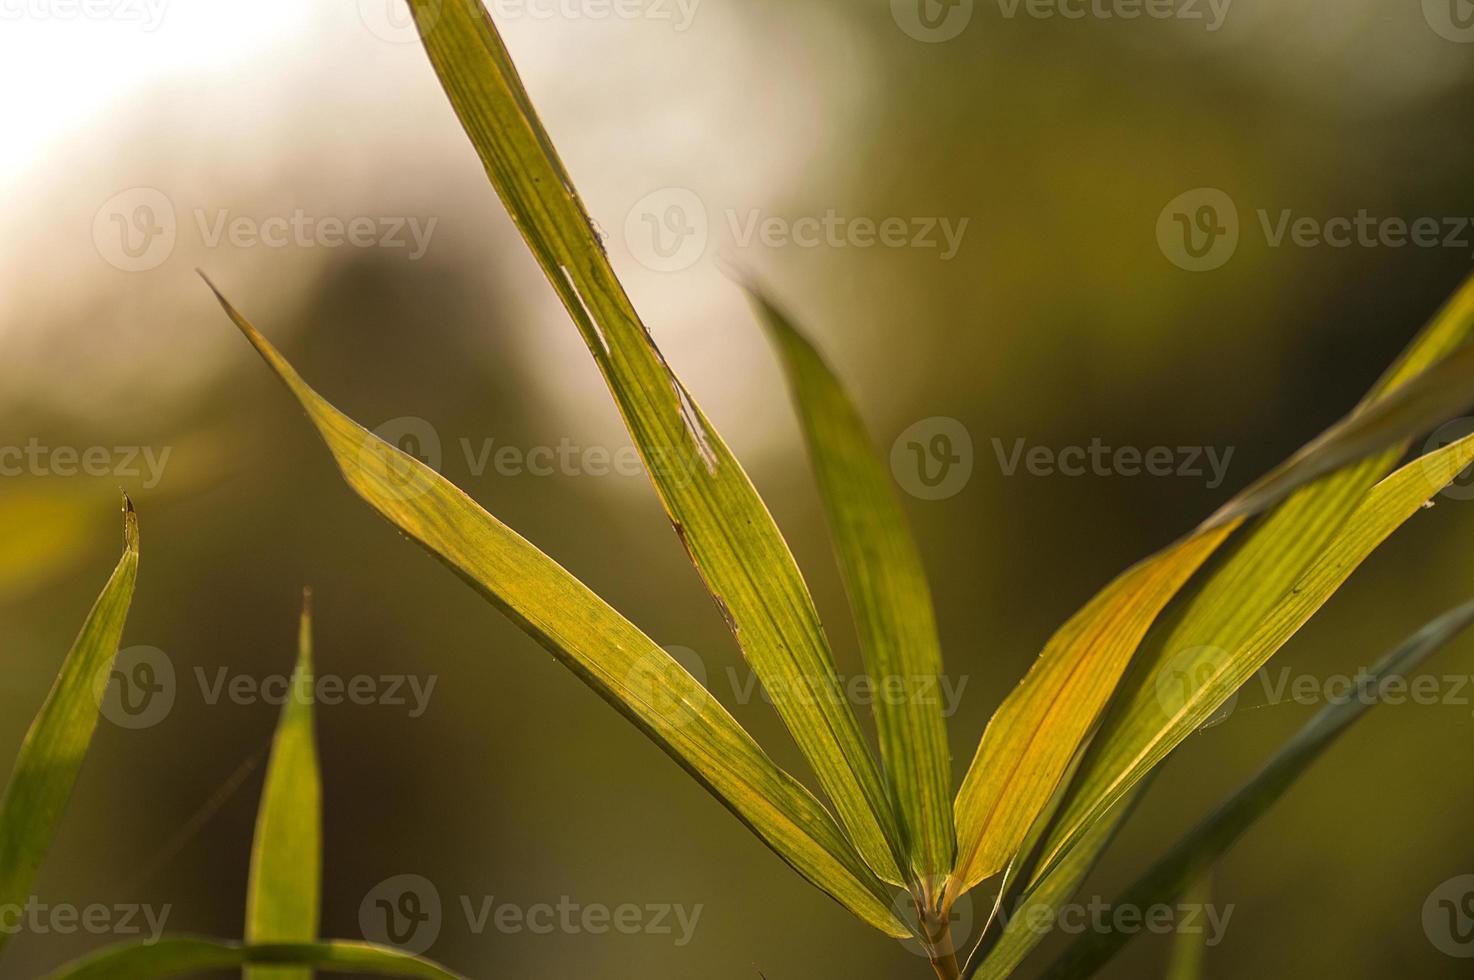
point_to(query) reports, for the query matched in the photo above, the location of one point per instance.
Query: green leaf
(1081, 833)
(888, 592)
(726, 529)
(1190, 948)
(603, 648)
(284, 894)
(187, 956)
(1192, 857)
(1158, 724)
(54, 747)
(1222, 611)
(1029, 742)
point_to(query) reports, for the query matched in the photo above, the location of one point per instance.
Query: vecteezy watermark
(137, 230)
(406, 911)
(1452, 20)
(670, 230)
(933, 459)
(1194, 462)
(391, 20)
(147, 14)
(676, 685)
(1104, 918)
(1200, 230)
(420, 441)
(38, 459)
(140, 688)
(1448, 917)
(1461, 487)
(935, 21)
(1189, 675)
(96, 919)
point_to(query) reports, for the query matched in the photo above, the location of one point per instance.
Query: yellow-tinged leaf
(1184, 870)
(888, 592)
(56, 744)
(603, 648)
(1021, 758)
(723, 523)
(1157, 725)
(283, 897)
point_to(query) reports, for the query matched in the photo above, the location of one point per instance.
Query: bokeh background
(1060, 319)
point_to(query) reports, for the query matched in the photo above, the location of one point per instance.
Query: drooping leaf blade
(1196, 853)
(888, 593)
(1023, 751)
(283, 899)
(604, 649)
(724, 525)
(184, 956)
(56, 744)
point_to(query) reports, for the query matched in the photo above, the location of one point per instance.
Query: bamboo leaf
(726, 529)
(1192, 857)
(183, 956)
(1219, 614)
(283, 898)
(1190, 947)
(1088, 823)
(1029, 742)
(56, 744)
(603, 648)
(1218, 676)
(888, 592)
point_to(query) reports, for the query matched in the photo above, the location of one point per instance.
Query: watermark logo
(947, 936)
(403, 911)
(36, 458)
(406, 911)
(137, 689)
(667, 230)
(933, 459)
(677, 696)
(1448, 917)
(138, 229)
(391, 20)
(1186, 675)
(1199, 230)
(671, 229)
(415, 438)
(932, 21)
(148, 14)
(1461, 487)
(1208, 463)
(1103, 918)
(1452, 20)
(123, 919)
(135, 230)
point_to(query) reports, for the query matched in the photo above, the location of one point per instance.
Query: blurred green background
(1060, 320)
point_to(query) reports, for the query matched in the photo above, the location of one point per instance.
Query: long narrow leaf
(177, 957)
(283, 898)
(1080, 835)
(56, 744)
(603, 648)
(1385, 508)
(1206, 843)
(888, 592)
(1026, 747)
(727, 530)
(1221, 612)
